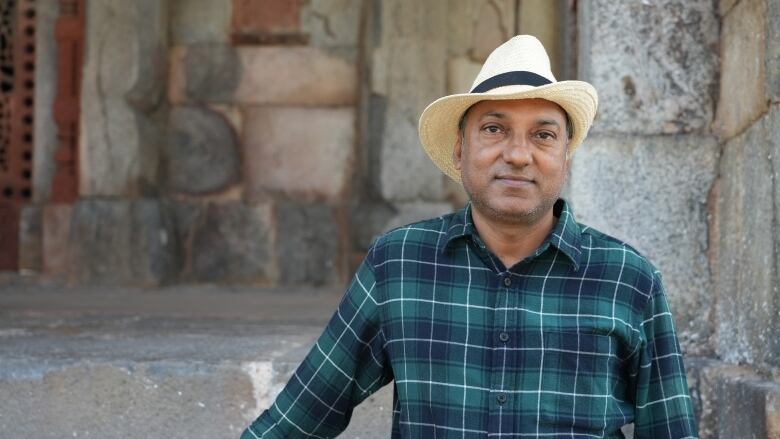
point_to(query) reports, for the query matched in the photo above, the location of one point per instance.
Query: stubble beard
(480, 201)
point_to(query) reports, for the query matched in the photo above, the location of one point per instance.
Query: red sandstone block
(261, 21)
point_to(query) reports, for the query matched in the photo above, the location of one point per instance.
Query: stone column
(654, 65)
(122, 94)
(119, 231)
(748, 123)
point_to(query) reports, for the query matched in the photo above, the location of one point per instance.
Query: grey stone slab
(407, 213)
(332, 24)
(742, 408)
(123, 86)
(211, 72)
(199, 21)
(412, 40)
(122, 242)
(743, 77)
(772, 64)
(654, 64)
(316, 162)
(651, 192)
(45, 130)
(202, 151)
(31, 239)
(746, 278)
(233, 242)
(308, 244)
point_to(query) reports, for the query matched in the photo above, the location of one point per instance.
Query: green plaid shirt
(572, 342)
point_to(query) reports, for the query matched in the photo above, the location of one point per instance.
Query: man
(507, 318)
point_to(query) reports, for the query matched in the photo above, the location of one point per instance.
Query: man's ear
(457, 152)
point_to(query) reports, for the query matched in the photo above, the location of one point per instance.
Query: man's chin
(512, 212)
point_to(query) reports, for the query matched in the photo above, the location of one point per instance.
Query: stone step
(183, 362)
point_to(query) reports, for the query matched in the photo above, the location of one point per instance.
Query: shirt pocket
(577, 379)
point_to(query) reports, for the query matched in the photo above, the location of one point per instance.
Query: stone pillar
(45, 134)
(747, 315)
(122, 94)
(409, 71)
(655, 69)
(118, 232)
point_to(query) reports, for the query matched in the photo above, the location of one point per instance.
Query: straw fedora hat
(517, 69)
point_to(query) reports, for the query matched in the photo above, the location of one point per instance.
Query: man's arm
(346, 365)
(663, 405)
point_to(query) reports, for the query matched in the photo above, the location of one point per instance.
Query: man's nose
(518, 150)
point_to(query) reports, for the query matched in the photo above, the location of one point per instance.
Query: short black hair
(462, 123)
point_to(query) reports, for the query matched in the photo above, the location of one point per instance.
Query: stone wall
(686, 129)
(223, 141)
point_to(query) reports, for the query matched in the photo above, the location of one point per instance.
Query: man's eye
(545, 135)
(492, 129)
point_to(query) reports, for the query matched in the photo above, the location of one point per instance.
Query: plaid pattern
(573, 342)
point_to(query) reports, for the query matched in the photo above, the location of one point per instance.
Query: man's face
(512, 158)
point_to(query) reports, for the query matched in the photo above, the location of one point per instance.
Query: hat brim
(438, 127)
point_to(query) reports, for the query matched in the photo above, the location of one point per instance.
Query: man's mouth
(515, 180)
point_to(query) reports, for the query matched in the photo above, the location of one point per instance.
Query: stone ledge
(733, 400)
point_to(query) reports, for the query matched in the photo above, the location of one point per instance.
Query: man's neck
(513, 242)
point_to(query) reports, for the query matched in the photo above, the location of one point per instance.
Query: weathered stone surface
(746, 279)
(461, 72)
(302, 152)
(333, 24)
(308, 244)
(653, 63)
(724, 6)
(772, 133)
(660, 209)
(540, 19)
(202, 151)
(407, 213)
(31, 238)
(123, 85)
(723, 392)
(199, 21)
(117, 242)
(743, 407)
(56, 233)
(45, 130)
(231, 242)
(772, 65)
(258, 22)
(256, 75)
(367, 221)
(476, 28)
(742, 68)
(203, 73)
(412, 39)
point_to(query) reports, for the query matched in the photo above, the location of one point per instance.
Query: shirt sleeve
(346, 365)
(663, 404)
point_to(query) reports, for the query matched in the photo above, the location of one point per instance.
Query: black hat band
(520, 77)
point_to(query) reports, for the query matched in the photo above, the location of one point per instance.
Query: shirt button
(501, 398)
(507, 281)
(503, 336)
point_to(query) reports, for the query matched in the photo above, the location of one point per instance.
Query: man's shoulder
(603, 249)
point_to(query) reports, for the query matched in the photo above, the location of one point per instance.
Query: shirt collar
(565, 236)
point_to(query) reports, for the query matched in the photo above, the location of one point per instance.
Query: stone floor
(184, 361)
